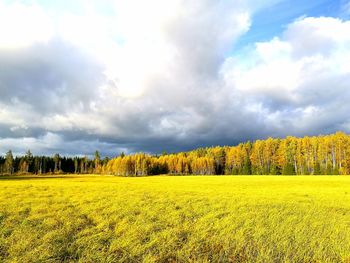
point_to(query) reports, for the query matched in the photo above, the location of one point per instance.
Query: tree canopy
(329, 154)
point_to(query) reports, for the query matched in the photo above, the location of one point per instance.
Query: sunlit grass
(165, 219)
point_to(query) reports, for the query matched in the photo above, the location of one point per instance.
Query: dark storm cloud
(7, 131)
(58, 99)
(56, 96)
(51, 77)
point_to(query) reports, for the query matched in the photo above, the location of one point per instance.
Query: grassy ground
(169, 219)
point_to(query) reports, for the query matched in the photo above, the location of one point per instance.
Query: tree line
(56, 164)
(317, 155)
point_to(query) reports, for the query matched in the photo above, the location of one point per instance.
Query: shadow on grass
(35, 177)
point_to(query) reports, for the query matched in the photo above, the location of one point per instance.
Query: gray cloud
(51, 77)
(56, 97)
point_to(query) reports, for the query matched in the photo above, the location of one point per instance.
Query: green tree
(29, 161)
(289, 169)
(9, 162)
(57, 161)
(97, 162)
(76, 164)
(247, 167)
(317, 169)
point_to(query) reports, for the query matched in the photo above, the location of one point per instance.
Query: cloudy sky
(116, 75)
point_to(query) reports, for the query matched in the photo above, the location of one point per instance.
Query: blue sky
(272, 20)
(115, 75)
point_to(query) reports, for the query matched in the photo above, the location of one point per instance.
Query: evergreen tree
(288, 169)
(56, 159)
(29, 161)
(9, 162)
(247, 167)
(97, 162)
(317, 169)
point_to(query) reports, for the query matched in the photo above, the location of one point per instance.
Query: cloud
(135, 78)
(156, 76)
(299, 80)
(22, 26)
(49, 77)
(54, 143)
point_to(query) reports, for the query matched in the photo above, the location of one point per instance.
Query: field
(175, 219)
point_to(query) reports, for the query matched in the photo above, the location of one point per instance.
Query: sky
(153, 76)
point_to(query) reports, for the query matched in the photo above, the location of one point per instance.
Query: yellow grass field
(175, 219)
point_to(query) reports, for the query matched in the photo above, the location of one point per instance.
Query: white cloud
(318, 36)
(23, 25)
(149, 75)
(159, 64)
(301, 78)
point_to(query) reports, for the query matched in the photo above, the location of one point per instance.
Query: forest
(316, 155)
(56, 164)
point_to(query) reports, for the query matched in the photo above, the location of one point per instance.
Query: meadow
(175, 219)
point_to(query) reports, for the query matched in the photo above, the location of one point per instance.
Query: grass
(175, 219)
